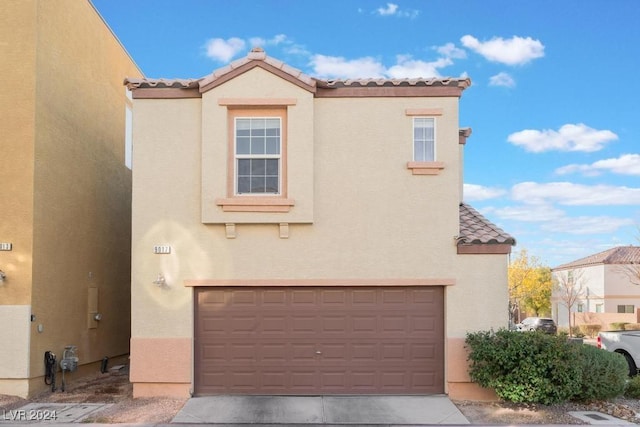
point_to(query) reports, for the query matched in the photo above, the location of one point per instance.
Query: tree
(570, 286)
(537, 295)
(529, 286)
(632, 271)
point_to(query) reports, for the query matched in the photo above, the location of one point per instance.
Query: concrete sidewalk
(321, 410)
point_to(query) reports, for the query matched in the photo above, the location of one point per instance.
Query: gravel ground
(114, 388)
(111, 387)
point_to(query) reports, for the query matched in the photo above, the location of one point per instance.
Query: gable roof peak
(257, 53)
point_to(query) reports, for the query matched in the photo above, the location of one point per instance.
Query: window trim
(424, 167)
(254, 202)
(238, 157)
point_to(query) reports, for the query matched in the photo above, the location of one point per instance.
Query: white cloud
(336, 66)
(570, 194)
(513, 51)
(530, 213)
(474, 192)
(274, 41)
(502, 79)
(391, 9)
(627, 164)
(224, 50)
(570, 137)
(586, 225)
(367, 67)
(407, 67)
(450, 50)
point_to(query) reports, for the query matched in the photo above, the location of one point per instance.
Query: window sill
(425, 168)
(255, 204)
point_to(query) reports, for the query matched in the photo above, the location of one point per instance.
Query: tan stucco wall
(70, 222)
(478, 302)
(17, 109)
(372, 218)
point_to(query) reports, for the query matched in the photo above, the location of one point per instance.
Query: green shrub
(618, 326)
(604, 374)
(633, 388)
(590, 330)
(632, 327)
(527, 367)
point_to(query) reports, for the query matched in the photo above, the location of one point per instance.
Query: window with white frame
(424, 140)
(258, 142)
(599, 308)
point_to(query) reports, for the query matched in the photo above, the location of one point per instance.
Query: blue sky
(554, 158)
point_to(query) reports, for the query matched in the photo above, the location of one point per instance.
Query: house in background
(608, 294)
(66, 191)
(301, 236)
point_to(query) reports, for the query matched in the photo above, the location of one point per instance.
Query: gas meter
(69, 361)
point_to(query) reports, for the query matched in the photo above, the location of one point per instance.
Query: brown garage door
(378, 340)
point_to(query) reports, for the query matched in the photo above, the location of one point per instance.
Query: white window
(424, 140)
(258, 155)
(599, 308)
(580, 308)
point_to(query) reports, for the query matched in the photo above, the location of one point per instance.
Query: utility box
(69, 360)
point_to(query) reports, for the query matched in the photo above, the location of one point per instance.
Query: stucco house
(293, 235)
(66, 190)
(609, 291)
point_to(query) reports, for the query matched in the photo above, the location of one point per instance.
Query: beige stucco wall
(372, 218)
(606, 284)
(69, 220)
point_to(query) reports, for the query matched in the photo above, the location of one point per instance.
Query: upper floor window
(258, 147)
(424, 142)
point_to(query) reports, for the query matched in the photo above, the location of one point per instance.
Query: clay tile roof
(474, 229)
(617, 255)
(135, 83)
(258, 54)
(433, 81)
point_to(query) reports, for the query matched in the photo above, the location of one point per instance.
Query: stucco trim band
(423, 111)
(161, 360)
(255, 204)
(484, 249)
(263, 102)
(319, 282)
(425, 168)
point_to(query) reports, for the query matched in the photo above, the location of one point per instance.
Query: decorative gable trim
(218, 79)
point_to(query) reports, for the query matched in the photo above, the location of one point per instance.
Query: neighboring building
(301, 236)
(66, 192)
(608, 294)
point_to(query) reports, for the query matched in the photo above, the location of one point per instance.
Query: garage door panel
(363, 298)
(319, 340)
(304, 297)
(334, 298)
(334, 324)
(364, 324)
(274, 298)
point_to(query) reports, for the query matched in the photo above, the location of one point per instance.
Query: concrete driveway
(321, 410)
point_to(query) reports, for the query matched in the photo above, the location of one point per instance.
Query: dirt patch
(505, 413)
(112, 387)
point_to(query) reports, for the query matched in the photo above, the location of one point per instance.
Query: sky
(554, 105)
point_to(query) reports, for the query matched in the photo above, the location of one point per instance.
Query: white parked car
(626, 343)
